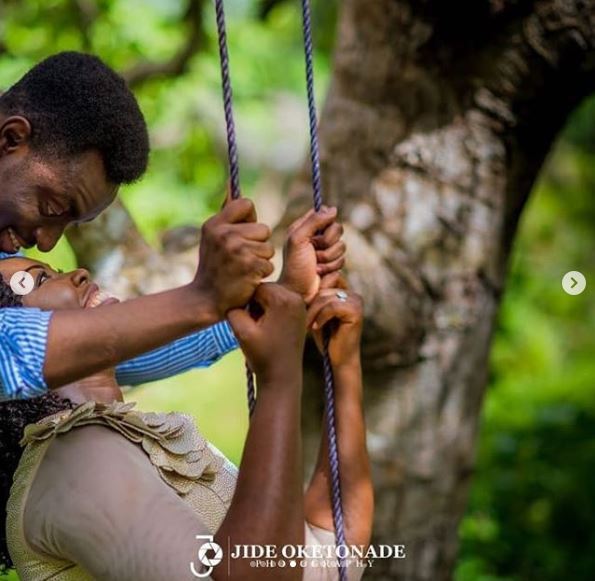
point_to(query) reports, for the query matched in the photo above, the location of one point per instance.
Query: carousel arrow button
(574, 282)
(21, 283)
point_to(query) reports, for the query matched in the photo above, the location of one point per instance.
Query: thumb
(317, 221)
(242, 323)
(228, 197)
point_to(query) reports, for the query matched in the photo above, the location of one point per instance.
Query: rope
(232, 147)
(329, 391)
(317, 197)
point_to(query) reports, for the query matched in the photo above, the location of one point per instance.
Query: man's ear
(15, 132)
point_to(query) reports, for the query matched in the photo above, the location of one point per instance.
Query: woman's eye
(43, 276)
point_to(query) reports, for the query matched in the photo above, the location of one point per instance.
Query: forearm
(81, 342)
(267, 507)
(354, 463)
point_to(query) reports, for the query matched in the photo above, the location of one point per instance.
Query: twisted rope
(329, 390)
(232, 147)
(337, 506)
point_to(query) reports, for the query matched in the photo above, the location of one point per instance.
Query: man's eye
(53, 209)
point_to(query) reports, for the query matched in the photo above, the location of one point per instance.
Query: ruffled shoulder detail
(172, 442)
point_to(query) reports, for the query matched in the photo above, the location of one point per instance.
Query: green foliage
(531, 513)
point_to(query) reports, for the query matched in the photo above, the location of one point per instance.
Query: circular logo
(574, 282)
(210, 554)
(21, 283)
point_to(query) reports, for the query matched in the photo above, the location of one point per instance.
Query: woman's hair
(14, 416)
(8, 298)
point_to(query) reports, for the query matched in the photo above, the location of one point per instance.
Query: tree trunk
(438, 118)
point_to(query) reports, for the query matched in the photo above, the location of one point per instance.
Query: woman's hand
(344, 318)
(313, 249)
(272, 334)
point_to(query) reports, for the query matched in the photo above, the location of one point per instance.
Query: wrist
(201, 306)
(288, 376)
(348, 364)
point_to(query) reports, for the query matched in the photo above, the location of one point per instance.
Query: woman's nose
(80, 276)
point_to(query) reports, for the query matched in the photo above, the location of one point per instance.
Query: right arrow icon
(574, 282)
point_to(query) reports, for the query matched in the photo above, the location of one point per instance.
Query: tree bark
(438, 119)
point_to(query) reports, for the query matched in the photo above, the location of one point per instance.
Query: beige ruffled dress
(110, 515)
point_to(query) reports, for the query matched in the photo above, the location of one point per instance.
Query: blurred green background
(531, 513)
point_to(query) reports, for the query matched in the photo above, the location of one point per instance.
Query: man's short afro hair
(76, 103)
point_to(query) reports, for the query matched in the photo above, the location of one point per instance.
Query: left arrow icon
(21, 283)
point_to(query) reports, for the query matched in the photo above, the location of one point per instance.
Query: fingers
(300, 221)
(306, 227)
(323, 310)
(334, 280)
(329, 237)
(264, 294)
(241, 322)
(253, 231)
(327, 306)
(337, 250)
(270, 294)
(228, 197)
(236, 211)
(262, 268)
(324, 269)
(260, 249)
(323, 298)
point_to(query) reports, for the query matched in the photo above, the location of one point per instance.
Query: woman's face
(55, 290)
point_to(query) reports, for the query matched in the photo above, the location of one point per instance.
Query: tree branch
(178, 64)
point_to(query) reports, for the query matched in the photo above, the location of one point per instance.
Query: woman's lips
(98, 298)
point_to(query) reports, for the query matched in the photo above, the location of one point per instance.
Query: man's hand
(235, 256)
(309, 255)
(273, 338)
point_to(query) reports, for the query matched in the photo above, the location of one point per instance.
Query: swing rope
(317, 199)
(329, 390)
(232, 148)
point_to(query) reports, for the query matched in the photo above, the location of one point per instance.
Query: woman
(104, 492)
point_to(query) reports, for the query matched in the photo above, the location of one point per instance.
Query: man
(71, 133)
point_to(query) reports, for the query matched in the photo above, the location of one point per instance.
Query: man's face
(40, 197)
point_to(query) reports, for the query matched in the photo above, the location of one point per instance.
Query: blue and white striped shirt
(23, 342)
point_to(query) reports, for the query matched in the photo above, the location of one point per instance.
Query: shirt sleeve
(200, 349)
(23, 344)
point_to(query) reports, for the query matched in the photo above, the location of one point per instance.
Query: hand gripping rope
(317, 195)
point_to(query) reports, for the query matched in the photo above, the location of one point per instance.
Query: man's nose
(80, 276)
(47, 237)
